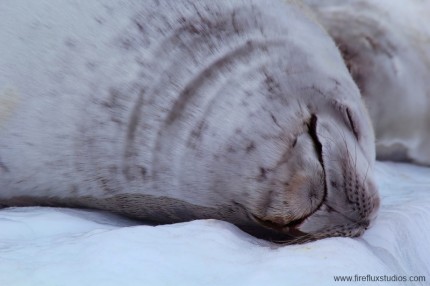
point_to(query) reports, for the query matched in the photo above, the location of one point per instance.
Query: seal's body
(176, 110)
(386, 45)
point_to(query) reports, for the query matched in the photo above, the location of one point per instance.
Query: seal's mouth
(285, 234)
(290, 229)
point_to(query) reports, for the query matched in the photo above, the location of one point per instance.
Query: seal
(178, 110)
(386, 47)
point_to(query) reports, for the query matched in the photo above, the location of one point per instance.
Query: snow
(53, 246)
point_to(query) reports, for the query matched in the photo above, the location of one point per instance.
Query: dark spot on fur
(112, 100)
(70, 43)
(139, 26)
(336, 82)
(100, 20)
(250, 147)
(143, 171)
(230, 149)
(182, 20)
(269, 81)
(313, 194)
(196, 133)
(91, 65)
(104, 184)
(275, 120)
(126, 44)
(294, 142)
(4, 168)
(128, 173)
(272, 86)
(234, 22)
(263, 174)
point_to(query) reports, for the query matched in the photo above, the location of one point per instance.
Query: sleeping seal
(170, 111)
(386, 45)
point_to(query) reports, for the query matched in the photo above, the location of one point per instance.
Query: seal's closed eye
(350, 119)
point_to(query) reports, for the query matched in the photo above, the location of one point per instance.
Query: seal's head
(307, 173)
(343, 144)
(323, 186)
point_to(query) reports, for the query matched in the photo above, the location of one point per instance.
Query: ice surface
(51, 246)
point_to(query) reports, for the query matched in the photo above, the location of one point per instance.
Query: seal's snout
(349, 209)
(332, 191)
